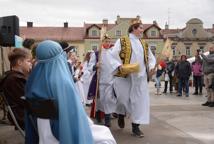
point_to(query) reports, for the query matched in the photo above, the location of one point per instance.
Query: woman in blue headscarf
(51, 79)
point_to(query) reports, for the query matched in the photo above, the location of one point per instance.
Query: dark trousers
(198, 83)
(183, 82)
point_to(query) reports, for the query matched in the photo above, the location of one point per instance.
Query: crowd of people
(181, 73)
(112, 80)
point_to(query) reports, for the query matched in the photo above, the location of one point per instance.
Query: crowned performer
(133, 63)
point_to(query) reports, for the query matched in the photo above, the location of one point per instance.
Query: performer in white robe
(132, 90)
(86, 77)
(107, 100)
(78, 83)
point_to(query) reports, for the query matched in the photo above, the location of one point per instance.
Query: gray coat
(208, 63)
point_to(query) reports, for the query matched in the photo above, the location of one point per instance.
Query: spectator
(183, 72)
(197, 75)
(169, 75)
(208, 69)
(14, 81)
(159, 72)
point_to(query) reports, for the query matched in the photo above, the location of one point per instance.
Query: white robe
(101, 134)
(132, 92)
(86, 79)
(107, 100)
(79, 86)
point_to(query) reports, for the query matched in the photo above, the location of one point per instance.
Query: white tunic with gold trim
(132, 92)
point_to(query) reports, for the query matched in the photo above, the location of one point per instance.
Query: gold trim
(126, 52)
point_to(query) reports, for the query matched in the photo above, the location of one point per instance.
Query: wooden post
(103, 31)
(2, 60)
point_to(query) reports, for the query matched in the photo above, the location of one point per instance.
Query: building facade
(188, 40)
(87, 38)
(183, 41)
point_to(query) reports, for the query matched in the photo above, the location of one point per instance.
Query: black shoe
(108, 120)
(211, 104)
(206, 103)
(121, 121)
(195, 93)
(136, 131)
(179, 95)
(88, 105)
(98, 117)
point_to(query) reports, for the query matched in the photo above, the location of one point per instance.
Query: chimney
(155, 22)
(166, 26)
(118, 17)
(29, 24)
(105, 21)
(65, 24)
(138, 17)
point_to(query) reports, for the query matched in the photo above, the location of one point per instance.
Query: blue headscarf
(51, 78)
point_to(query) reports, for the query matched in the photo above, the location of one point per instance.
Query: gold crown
(106, 36)
(135, 21)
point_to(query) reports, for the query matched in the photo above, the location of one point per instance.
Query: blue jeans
(157, 80)
(183, 83)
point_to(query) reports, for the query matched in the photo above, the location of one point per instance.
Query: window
(118, 33)
(94, 33)
(4, 29)
(153, 33)
(194, 32)
(188, 51)
(153, 49)
(173, 50)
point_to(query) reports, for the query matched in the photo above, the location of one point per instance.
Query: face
(139, 31)
(183, 58)
(211, 49)
(25, 65)
(106, 43)
(72, 56)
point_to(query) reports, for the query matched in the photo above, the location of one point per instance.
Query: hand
(151, 72)
(119, 68)
(200, 53)
(98, 65)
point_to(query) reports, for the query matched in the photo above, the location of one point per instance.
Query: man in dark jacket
(183, 72)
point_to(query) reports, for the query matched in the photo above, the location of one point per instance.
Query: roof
(99, 25)
(194, 21)
(53, 33)
(170, 31)
(210, 30)
(148, 26)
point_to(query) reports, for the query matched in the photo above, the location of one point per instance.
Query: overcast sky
(76, 12)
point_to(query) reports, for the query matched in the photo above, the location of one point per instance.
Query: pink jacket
(197, 69)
